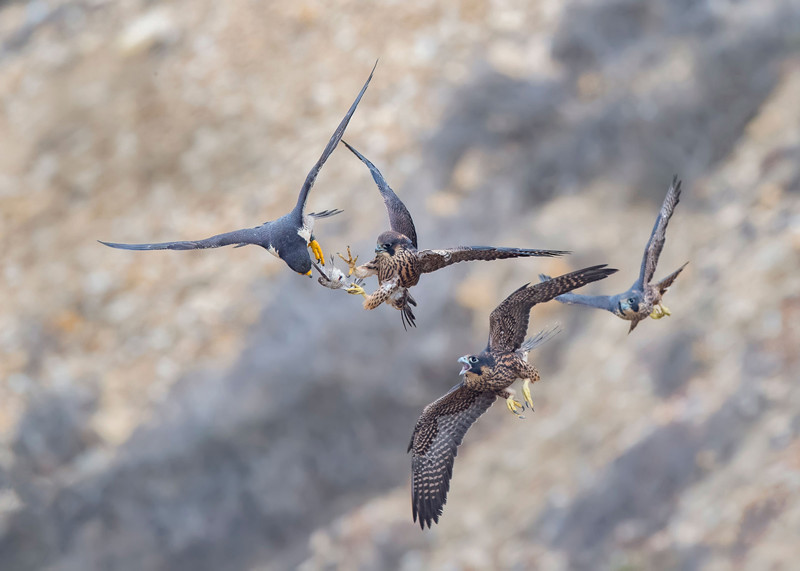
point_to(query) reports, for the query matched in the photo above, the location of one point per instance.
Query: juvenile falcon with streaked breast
(487, 375)
(399, 264)
(287, 237)
(643, 298)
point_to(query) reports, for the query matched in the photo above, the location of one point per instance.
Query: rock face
(208, 410)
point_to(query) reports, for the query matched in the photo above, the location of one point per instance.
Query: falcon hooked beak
(465, 365)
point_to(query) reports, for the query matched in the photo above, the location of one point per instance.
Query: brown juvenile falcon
(399, 264)
(488, 375)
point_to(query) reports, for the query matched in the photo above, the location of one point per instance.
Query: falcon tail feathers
(667, 281)
(408, 318)
(326, 213)
(540, 338)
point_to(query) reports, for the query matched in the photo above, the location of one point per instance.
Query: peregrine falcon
(643, 298)
(487, 375)
(287, 237)
(399, 264)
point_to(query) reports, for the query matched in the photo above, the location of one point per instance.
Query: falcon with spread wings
(487, 375)
(643, 298)
(399, 264)
(287, 237)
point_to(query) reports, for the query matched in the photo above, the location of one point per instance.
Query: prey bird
(287, 237)
(643, 298)
(399, 264)
(487, 375)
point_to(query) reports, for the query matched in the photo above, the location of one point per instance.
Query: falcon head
(628, 304)
(390, 241)
(297, 259)
(475, 364)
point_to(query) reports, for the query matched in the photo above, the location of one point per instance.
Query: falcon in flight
(399, 264)
(643, 298)
(287, 237)
(487, 375)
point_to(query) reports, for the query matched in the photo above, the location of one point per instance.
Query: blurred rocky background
(212, 410)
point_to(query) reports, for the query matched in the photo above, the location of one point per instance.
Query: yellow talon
(660, 311)
(349, 260)
(317, 249)
(526, 392)
(512, 404)
(356, 289)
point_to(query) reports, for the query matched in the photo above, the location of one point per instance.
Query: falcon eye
(473, 359)
(631, 300)
(386, 246)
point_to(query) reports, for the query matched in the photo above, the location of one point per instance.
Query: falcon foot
(317, 249)
(356, 289)
(349, 260)
(514, 406)
(526, 392)
(660, 311)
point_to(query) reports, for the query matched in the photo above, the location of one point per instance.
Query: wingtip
(676, 184)
(116, 245)
(353, 150)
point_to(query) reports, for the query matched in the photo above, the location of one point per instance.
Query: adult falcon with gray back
(287, 237)
(642, 298)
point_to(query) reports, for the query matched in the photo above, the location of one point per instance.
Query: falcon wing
(437, 435)
(508, 323)
(598, 301)
(656, 242)
(432, 260)
(337, 135)
(399, 217)
(258, 235)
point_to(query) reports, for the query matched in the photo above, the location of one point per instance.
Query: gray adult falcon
(642, 298)
(487, 375)
(287, 237)
(399, 264)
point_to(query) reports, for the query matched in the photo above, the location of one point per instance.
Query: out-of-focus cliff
(212, 410)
